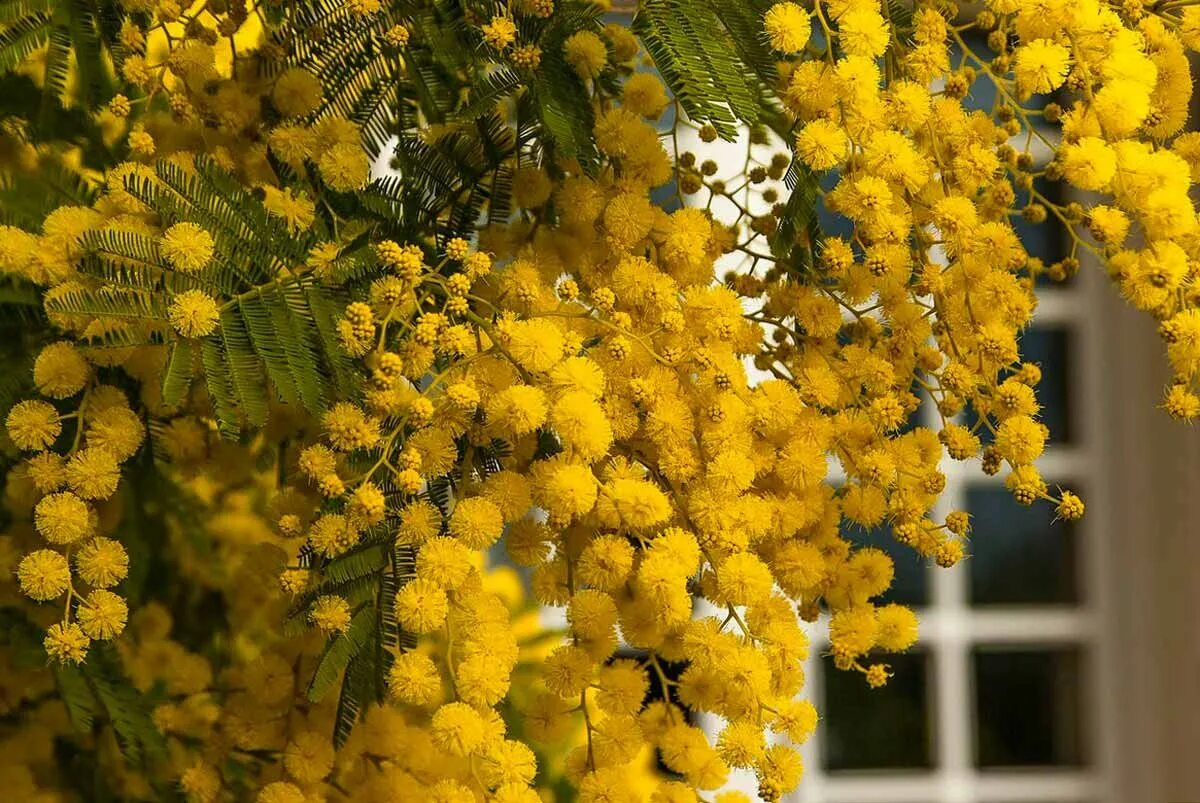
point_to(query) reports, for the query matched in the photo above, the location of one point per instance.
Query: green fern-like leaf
(77, 696)
(125, 707)
(359, 561)
(23, 36)
(799, 232)
(340, 649)
(715, 79)
(177, 375)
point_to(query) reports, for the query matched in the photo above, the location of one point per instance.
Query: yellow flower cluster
(680, 465)
(70, 477)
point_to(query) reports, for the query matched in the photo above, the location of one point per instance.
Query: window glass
(887, 728)
(1019, 555)
(1027, 707)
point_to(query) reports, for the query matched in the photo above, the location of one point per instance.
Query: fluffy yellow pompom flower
(66, 642)
(788, 27)
(898, 628)
(43, 575)
(421, 606)
(102, 615)
(779, 770)
(349, 428)
(608, 784)
(281, 792)
(93, 473)
(187, 247)
(60, 370)
(476, 522)
(593, 617)
(623, 685)
(296, 210)
(686, 750)
(102, 562)
(33, 425)
(500, 32)
(200, 782)
(852, 632)
(797, 719)
(332, 534)
(863, 32)
(586, 54)
(444, 561)
(1041, 66)
(297, 92)
(537, 345)
(292, 143)
(368, 504)
(330, 614)
(458, 729)
(581, 425)
(62, 518)
(510, 492)
(482, 680)
(419, 522)
(741, 743)
(744, 579)
(308, 757)
(1020, 440)
(644, 94)
(117, 430)
(508, 762)
(568, 670)
(194, 313)
(628, 218)
(518, 409)
(45, 471)
(344, 167)
(1089, 164)
(632, 504)
(606, 562)
(821, 145)
(565, 489)
(413, 678)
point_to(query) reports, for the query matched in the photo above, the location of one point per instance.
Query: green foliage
(563, 105)
(341, 649)
(719, 71)
(452, 179)
(359, 78)
(78, 37)
(76, 695)
(798, 235)
(98, 688)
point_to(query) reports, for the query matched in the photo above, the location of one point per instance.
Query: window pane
(1019, 554)
(1027, 707)
(888, 728)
